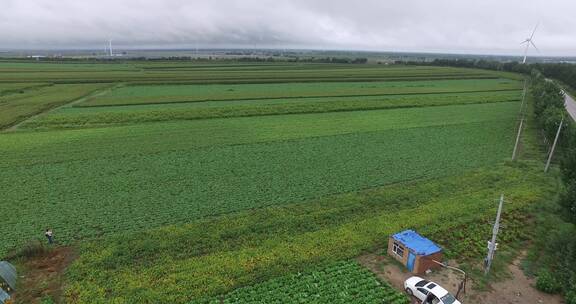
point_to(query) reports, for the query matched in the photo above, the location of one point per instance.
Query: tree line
(558, 241)
(554, 251)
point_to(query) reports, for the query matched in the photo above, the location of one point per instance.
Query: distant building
(414, 251)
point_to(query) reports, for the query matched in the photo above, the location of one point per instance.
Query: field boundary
(16, 125)
(290, 97)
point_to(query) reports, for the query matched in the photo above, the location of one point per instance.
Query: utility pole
(554, 146)
(521, 122)
(523, 99)
(492, 244)
(517, 139)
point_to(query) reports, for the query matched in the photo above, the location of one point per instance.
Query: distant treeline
(564, 72)
(256, 58)
(341, 60)
(547, 95)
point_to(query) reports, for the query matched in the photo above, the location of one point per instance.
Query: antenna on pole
(492, 245)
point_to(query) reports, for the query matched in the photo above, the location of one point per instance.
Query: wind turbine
(528, 42)
(110, 47)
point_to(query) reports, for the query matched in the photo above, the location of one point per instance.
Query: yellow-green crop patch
(215, 256)
(20, 88)
(18, 107)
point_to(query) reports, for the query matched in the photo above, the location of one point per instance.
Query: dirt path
(518, 289)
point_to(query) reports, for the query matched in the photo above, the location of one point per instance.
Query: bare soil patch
(42, 276)
(517, 289)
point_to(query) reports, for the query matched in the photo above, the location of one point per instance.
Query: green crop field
(17, 107)
(198, 93)
(342, 282)
(71, 117)
(251, 183)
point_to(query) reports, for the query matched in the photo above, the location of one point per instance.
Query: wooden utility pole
(492, 244)
(554, 146)
(517, 139)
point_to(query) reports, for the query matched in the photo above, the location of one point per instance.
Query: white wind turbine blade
(532, 42)
(534, 31)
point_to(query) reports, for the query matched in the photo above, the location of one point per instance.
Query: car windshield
(422, 283)
(448, 299)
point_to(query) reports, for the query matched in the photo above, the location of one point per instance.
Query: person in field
(49, 236)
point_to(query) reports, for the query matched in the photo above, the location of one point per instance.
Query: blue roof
(8, 274)
(4, 296)
(417, 243)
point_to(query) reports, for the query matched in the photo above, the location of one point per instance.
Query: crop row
(178, 264)
(20, 88)
(203, 73)
(27, 148)
(341, 282)
(128, 193)
(194, 93)
(17, 107)
(100, 116)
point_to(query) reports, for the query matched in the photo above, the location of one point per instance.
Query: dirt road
(517, 289)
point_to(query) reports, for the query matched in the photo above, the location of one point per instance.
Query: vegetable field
(20, 106)
(187, 182)
(71, 117)
(343, 282)
(231, 168)
(202, 93)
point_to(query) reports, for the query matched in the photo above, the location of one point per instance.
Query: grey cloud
(487, 26)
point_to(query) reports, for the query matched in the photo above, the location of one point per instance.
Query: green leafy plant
(547, 282)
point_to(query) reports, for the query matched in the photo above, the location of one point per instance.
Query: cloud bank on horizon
(477, 26)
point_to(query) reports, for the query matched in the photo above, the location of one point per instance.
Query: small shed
(414, 251)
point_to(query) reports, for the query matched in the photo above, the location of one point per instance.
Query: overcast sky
(462, 26)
